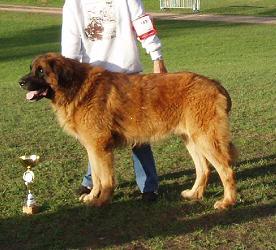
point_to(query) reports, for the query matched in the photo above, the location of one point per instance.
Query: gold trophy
(30, 206)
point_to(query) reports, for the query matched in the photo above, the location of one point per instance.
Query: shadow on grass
(257, 159)
(167, 28)
(271, 12)
(214, 178)
(30, 43)
(33, 42)
(252, 172)
(244, 10)
(126, 221)
(238, 10)
(117, 224)
(259, 170)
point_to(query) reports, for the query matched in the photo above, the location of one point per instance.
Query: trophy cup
(30, 206)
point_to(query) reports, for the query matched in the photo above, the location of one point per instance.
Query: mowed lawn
(232, 7)
(242, 57)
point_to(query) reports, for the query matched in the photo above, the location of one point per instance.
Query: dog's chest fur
(65, 118)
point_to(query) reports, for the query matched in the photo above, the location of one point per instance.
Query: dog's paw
(191, 195)
(223, 204)
(88, 199)
(83, 197)
(91, 200)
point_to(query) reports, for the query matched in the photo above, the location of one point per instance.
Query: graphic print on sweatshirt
(100, 20)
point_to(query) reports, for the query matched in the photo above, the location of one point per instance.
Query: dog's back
(150, 107)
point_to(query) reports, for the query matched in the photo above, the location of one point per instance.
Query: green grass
(52, 3)
(233, 7)
(240, 7)
(240, 56)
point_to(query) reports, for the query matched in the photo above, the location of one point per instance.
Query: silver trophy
(30, 206)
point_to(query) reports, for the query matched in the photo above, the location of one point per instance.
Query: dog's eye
(40, 72)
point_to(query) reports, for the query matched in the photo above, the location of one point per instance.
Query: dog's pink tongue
(30, 95)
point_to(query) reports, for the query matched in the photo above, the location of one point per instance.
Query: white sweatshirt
(101, 32)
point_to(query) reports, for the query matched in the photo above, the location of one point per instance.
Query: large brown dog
(104, 109)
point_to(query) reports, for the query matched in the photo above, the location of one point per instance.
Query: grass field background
(240, 56)
(234, 7)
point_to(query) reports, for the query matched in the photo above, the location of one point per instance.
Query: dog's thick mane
(81, 85)
(70, 80)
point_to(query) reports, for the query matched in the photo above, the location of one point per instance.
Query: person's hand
(159, 66)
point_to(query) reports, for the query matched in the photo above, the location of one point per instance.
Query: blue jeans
(144, 167)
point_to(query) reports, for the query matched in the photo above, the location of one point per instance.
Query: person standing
(105, 33)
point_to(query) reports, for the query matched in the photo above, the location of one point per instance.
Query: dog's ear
(64, 74)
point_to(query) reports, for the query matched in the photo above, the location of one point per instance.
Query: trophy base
(30, 210)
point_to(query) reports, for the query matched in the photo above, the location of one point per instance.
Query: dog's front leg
(101, 161)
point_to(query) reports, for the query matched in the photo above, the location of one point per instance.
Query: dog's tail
(225, 93)
(224, 105)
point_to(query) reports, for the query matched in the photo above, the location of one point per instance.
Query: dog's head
(48, 74)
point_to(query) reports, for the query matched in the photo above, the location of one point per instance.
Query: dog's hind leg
(218, 153)
(103, 176)
(202, 173)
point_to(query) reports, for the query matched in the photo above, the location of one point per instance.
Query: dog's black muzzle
(36, 87)
(23, 81)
